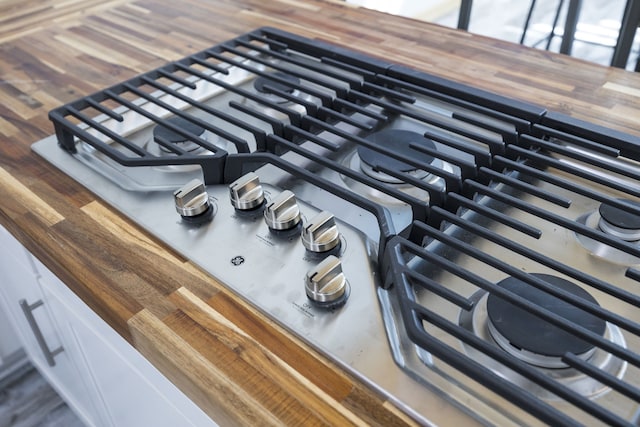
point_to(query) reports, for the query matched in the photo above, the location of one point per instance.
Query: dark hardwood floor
(27, 400)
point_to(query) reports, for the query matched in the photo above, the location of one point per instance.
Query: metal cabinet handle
(28, 313)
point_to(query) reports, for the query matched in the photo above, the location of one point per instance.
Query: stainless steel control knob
(326, 285)
(192, 199)
(282, 213)
(321, 233)
(246, 192)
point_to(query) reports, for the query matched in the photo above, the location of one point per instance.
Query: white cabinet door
(130, 391)
(29, 312)
(18, 282)
(10, 344)
(9, 341)
(102, 378)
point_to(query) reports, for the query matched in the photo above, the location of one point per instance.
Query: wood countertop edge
(167, 312)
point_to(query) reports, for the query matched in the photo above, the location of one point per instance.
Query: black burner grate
(539, 175)
(501, 154)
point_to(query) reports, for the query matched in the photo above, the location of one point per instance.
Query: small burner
(169, 135)
(620, 223)
(535, 340)
(266, 87)
(261, 84)
(615, 222)
(399, 141)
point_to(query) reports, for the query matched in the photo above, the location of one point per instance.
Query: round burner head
(399, 141)
(527, 333)
(163, 132)
(260, 84)
(619, 217)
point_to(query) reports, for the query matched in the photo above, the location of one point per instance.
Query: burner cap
(619, 217)
(174, 137)
(527, 332)
(261, 82)
(397, 140)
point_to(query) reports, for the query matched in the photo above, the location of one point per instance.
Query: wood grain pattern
(204, 382)
(235, 355)
(207, 340)
(25, 198)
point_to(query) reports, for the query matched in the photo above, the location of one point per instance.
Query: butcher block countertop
(237, 365)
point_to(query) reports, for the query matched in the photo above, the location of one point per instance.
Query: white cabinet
(9, 342)
(31, 316)
(130, 391)
(105, 380)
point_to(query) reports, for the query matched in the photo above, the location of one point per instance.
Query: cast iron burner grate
(317, 100)
(520, 182)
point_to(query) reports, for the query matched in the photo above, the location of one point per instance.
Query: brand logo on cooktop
(237, 260)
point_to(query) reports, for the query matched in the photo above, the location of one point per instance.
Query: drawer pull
(28, 313)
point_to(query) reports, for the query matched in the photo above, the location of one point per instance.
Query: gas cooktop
(440, 242)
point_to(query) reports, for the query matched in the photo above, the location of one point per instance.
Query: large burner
(400, 142)
(533, 339)
(478, 322)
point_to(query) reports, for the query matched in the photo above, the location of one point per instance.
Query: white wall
(423, 9)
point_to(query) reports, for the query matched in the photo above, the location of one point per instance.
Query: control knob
(246, 192)
(282, 213)
(321, 233)
(326, 285)
(192, 201)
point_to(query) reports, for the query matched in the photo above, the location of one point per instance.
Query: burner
(363, 161)
(399, 141)
(620, 223)
(265, 87)
(183, 142)
(477, 322)
(615, 222)
(262, 84)
(535, 340)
